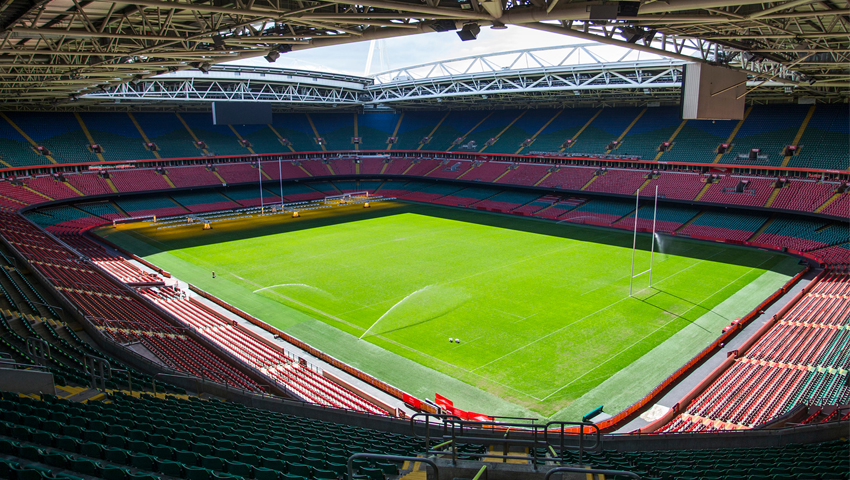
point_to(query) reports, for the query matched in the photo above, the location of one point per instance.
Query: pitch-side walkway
(688, 383)
(292, 349)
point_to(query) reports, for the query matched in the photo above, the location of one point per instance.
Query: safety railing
(396, 458)
(532, 436)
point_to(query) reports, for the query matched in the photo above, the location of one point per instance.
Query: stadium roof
(55, 50)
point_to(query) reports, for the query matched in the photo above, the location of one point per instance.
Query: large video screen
(241, 113)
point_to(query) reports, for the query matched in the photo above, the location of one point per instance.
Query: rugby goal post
(345, 197)
(634, 242)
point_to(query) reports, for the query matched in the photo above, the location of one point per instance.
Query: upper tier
(821, 133)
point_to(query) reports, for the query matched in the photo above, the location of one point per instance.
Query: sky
(423, 48)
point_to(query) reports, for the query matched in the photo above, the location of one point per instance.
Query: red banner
(479, 417)
(443, 402)
(412, 401)
(463, 415)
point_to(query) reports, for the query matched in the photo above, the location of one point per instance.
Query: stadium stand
(116, 315)
(486, 172)
(203, 202)
(129, 438)
(195, 176)
(52, 187)
(90, 184)
(674, 185)
(141, 207)
(760, 130)
(451, 169)
(840, 207)
(698, 140)
(564, 127)
(467, 196)
(374, 129)
(826, 141)
(234, 173)
(667, 220)
(803, 235)
(803, 195)
(168, 133)
(733, 226)
(654, 127)
(599, 211)
(414, 128)
(104, 209)
(624, 182)
(140, 180)
(568, 178)
(15, 150)
(117, 135)
(605, 128)
(59, 132)
(506, 201)
(522, 174)
(738, 190)
(797, 361)
(219, 139)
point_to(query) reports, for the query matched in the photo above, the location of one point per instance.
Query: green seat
(262, 473)
(138, 446)
(225, 453)
(373, 473)
(238, 468)
(162, 451)
(169, 468)
(249, 458)
(93, 436)
(27, 473)
(155, 439)
(116, 441)
(246, 448)
(186, 458)
(29, 452)
(201, 448)
(44, 439)
(338, 468)
(179, 444)
(289, 476)
(212, 463)
(322, 474)
(197, 473)
(109, 472)
(142, 461)
(313, 462)
(300, 469)
(274, 464)
(137, 435)
(116, 455)
(54, 459)
(268, 452)
(290, 457)
(141, 476)
(84, 466)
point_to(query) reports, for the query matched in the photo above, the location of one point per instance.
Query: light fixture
(272, 56)
(499, 26)
(204, 67)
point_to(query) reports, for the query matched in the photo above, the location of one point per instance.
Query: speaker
(218, 41)
(469, 32)
(604, 12)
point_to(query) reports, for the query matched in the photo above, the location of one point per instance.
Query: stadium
(622, 256)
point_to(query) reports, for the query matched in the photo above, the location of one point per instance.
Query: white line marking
(675, 317)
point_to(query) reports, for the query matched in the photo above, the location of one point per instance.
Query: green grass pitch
(541, 309)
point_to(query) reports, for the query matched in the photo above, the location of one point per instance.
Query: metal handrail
(591, 471)
(596, 446)
(451, 424)
(377, 456)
